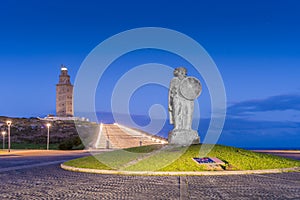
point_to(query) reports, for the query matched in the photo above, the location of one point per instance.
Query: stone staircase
(120, 137)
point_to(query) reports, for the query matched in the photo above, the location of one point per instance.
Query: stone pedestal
(183, 137)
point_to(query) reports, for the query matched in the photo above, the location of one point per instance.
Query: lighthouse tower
(64, 95)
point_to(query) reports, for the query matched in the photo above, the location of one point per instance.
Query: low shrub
(73, 143)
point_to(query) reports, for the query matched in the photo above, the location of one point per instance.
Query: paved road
(26, 159)
(51, 182)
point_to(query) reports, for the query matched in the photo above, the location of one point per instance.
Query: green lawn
(166, 158)
(235, 159)
(115, 159)
(87, 162)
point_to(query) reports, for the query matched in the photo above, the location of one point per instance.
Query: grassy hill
(31, 133)
(166, 158)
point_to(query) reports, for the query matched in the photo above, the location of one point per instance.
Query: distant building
(64, 95)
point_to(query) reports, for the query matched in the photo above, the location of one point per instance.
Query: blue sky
(255, 44)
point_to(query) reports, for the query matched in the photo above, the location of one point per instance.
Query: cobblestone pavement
(52, 182)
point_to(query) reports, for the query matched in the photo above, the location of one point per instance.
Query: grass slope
(159, 158)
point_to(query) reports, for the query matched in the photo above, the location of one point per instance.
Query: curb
(189, 173)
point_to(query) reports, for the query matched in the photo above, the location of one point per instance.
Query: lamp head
(8, 122)
(3, 133)
(48, 125)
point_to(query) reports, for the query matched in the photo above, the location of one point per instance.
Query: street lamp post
(48, 137)
(3, 134)
(8, 124)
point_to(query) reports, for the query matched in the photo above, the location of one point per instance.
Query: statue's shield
(190, 88)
